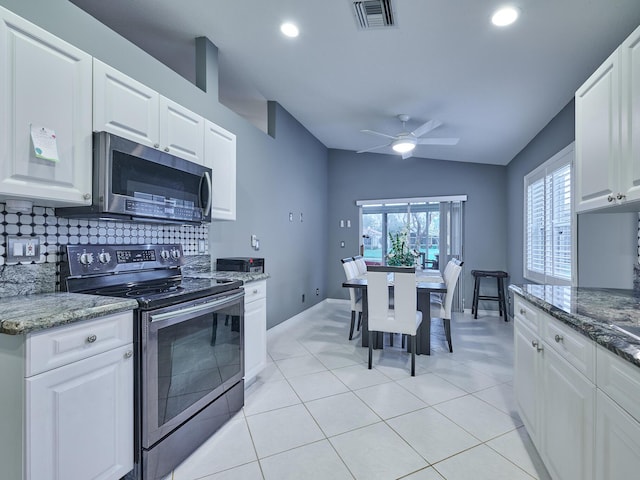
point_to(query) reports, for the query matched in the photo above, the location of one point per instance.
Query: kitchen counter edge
(599, 330)
(244, 277)
(23, 314)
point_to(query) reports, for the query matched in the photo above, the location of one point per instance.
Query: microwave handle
(207, 179)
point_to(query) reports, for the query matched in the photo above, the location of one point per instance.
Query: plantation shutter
(548, 225)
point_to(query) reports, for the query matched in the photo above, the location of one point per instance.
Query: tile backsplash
(55, 232)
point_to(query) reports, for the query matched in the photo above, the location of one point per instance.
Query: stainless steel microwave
(133, 182)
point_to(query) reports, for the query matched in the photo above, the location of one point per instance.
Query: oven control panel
(101, 259)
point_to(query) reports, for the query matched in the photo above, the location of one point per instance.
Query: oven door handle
(197, 308)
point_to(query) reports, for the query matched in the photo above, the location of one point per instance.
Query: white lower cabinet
(76, 401)
(255, 329)
(555, 400)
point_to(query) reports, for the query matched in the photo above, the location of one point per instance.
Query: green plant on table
(399, 252)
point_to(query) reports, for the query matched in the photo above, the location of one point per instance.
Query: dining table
(427, 282)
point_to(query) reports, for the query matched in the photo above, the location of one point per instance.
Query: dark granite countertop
(244, 277)
(21, 314)
(598, 313)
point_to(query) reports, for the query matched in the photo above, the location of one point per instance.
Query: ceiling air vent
(374, 14)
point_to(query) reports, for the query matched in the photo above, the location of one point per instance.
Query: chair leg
(447, 331)
(413, 355)
(353, 322)
(403, 340)
(370, 348)
(476, 294)
(359, 320)
(391, 338)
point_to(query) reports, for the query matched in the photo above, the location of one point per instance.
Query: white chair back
(349, 272)
(451, 281)
(360, 264)
(402, 319)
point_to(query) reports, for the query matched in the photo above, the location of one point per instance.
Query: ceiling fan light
(505, 16)
(403, 146)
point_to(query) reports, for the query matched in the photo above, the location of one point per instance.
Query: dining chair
(404, 318)
(360, 264)
(350, 272)
(444, 305)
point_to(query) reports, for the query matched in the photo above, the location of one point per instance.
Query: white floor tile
(477, 417)
(270, 373)
(517, 447)
(316, 461)
(262, 397)
(249, 471)
(358, 376)
(501, 396)
(341, 413)
(480, 463)
(377, 452)
(425, 474)
(229, 447)
(279, 430)
(285, 347)
(431, 388)
(432, 435)
(390, 400)
(317, 385)
(339, 358)
(303, 365)
(467, 378)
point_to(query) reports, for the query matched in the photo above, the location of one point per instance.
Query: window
(548, 236)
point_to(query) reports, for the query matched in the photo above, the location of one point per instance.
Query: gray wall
(276, 176)
(556, 135)
(369, 176)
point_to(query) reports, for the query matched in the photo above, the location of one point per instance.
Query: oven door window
(192, 359)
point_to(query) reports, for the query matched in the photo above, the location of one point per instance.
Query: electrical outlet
(291, 216)
(303, 298)
(23, 248)
(342, 244)
(202, 246)
(317, 291)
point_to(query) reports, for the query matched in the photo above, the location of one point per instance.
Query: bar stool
(499, 275)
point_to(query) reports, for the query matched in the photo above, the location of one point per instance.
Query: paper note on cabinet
(44, 143)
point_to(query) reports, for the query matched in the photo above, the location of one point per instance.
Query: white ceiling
(494, 88)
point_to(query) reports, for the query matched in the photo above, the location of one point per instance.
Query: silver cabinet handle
(91, 338)
(255, 291)
(156, 145)
(558, 338)
(522, 311)
(620, 196)
(536, 344)
(86, 196)
(610, 198)
(128, 354)
(166, 149)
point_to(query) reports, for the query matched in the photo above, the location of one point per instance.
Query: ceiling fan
(405, 142)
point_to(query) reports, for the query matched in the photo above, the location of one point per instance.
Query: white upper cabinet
(607, 131)
(220, 156)
(45, 83)
(127, 108)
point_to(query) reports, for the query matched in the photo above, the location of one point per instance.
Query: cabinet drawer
(63, 345)
(620, 380)
(255, 291)
(577, 349)
(526, 313)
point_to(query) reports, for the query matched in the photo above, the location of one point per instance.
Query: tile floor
(317, 412)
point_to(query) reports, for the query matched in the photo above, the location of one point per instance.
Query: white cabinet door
(617, 442)
(527, 382)
(630, 128)
(255, 330)
(598, 137)
(568, 420)
(80, 419)
(124, 106)
(181, 131)
(220, 156)
(44, 83)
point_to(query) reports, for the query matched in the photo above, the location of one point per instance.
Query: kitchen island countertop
(598, 313)
(22, 314)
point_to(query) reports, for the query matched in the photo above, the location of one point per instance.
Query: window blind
(548, 227)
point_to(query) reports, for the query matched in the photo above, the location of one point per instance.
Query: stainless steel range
(189, 343)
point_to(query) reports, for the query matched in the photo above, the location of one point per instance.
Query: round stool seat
(489, 273)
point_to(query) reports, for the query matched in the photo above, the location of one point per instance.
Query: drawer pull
(522, 311)
(558, 338)
(255, 291)
(536, 345)
(91, 338)
(128, 354)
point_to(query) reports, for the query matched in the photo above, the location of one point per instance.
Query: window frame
(543, 172)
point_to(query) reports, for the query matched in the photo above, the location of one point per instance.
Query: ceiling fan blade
(426, 127)
(373, 148)
(372, 132)
(438, 141)
(406, 155)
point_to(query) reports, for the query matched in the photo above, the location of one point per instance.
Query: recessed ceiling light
(289, 29)
(505, 16)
